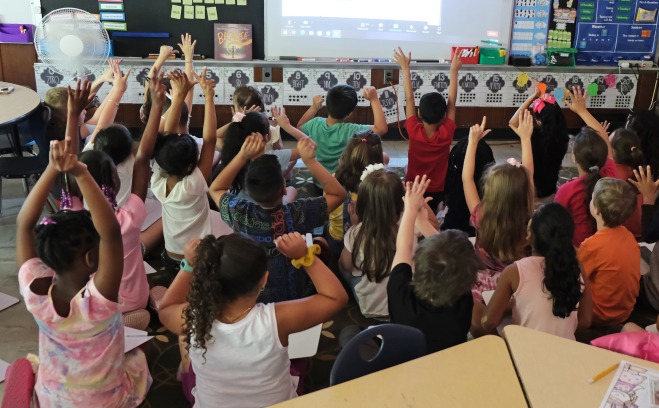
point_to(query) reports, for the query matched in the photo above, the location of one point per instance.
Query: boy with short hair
(332, 134)
(611, 258)
(435, 298)
(430, 138)
(268, 218)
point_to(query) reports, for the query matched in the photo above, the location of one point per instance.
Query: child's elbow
(381, 130)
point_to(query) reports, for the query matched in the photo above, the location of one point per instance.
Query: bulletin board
(156, 16)
(612, 30)
(529, 31)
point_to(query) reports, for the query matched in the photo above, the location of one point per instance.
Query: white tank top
(245, 364)
(533, 303)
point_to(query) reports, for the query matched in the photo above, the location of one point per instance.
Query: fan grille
(72, 42)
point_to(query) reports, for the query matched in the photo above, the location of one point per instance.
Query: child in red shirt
(430, 138)
(611, 259)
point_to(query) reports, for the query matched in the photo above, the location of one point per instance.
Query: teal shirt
(331, 140)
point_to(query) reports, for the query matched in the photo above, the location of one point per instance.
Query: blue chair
(31, 166)
(397, 344)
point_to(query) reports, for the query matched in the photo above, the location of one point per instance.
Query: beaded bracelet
(308, 259)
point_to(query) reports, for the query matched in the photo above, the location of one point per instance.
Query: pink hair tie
(238, 117)
(363, 140)
(47, 221)
(513, 162)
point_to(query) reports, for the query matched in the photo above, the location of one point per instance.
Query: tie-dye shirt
(81, 356)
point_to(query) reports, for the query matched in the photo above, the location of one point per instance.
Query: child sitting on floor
(71, 268)
(238, 345)
(628, 156)
(611, 259)
(547, 291)
(430, 138)
(430, 288)
(266, 217)
(178, 181)
(332, 134)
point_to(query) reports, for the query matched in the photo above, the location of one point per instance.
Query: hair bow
(47, 221)
(513, 162)
(370, 169)
(539, 104)
(238, 117)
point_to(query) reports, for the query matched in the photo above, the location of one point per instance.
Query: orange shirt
(611, 260)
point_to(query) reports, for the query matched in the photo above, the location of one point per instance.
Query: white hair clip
(370, 169)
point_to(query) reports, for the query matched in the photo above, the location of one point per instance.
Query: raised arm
(335, 194)
(108, 76)
(525, 130)
(414, 204)
(312, 111)
(456, 64)
(252, 147)
(142, 168)
(297, 315)
(77, 101)
(284, 123)
(514, 121)
(180, 88)
(404, 62)
(476, 133)
(210, 125)
(187, 47)
(165, 52)
(379, 120)
(577, 104)
(175, 300)
(112, 101)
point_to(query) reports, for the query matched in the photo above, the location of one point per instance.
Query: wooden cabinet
(16, 64)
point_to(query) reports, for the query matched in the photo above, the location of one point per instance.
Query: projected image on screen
(418, 20)
(372, 28)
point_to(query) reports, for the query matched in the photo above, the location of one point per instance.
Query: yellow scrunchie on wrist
(308, 259)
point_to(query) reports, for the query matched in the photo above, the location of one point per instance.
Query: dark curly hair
(553, 231)
(549, 144)
(363, 149)
(67, 237)
(227, 268)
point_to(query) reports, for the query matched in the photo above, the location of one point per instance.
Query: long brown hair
(505, 211)
(379, 206)
(364, 148)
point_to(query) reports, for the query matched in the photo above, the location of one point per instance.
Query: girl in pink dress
(71, 268)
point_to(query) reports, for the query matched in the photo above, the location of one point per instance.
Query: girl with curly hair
(235, 344)
(547, 287)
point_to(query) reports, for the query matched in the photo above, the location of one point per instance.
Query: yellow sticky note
(200, 12)
(522, 79)
(209, 1)
(187, 2)
(188, 12)
(176, 1)
(176, 12)
(219, 1)
(212, 13)
(197, 1)
(231, 2)
(242, 2)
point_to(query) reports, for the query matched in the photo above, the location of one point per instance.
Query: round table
(16, 106)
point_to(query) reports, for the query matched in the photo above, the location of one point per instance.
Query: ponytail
(626, 148)
(553, 232)
(591, 154)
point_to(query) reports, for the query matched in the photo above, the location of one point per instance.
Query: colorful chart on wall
(529, 31)
(613, 30)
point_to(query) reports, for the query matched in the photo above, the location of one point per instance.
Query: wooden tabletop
(18, 104)
(473, 374)
(554, 371)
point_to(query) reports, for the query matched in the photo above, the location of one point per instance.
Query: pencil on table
(603, 373)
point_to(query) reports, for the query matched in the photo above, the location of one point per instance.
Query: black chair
(27, 143)
(397, 344)
(32, 166)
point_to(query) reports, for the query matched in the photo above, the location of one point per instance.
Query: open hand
(108, 75)
(78, 97)
(280, 117)
(292, 245)
(645, 185)
(477, 132)
(401, 59)
(120, 82)
(157, 88)
(253, 146)
(577, 100)
(606, 126)
(525, 127)
(63, 159)
(187, 46)
(307, 149)
(414, 200)
(180, 83)
(207, 85)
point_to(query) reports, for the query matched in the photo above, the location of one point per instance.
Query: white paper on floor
(3, 370)
(6, 301)
(148, 268)
(133, 338)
